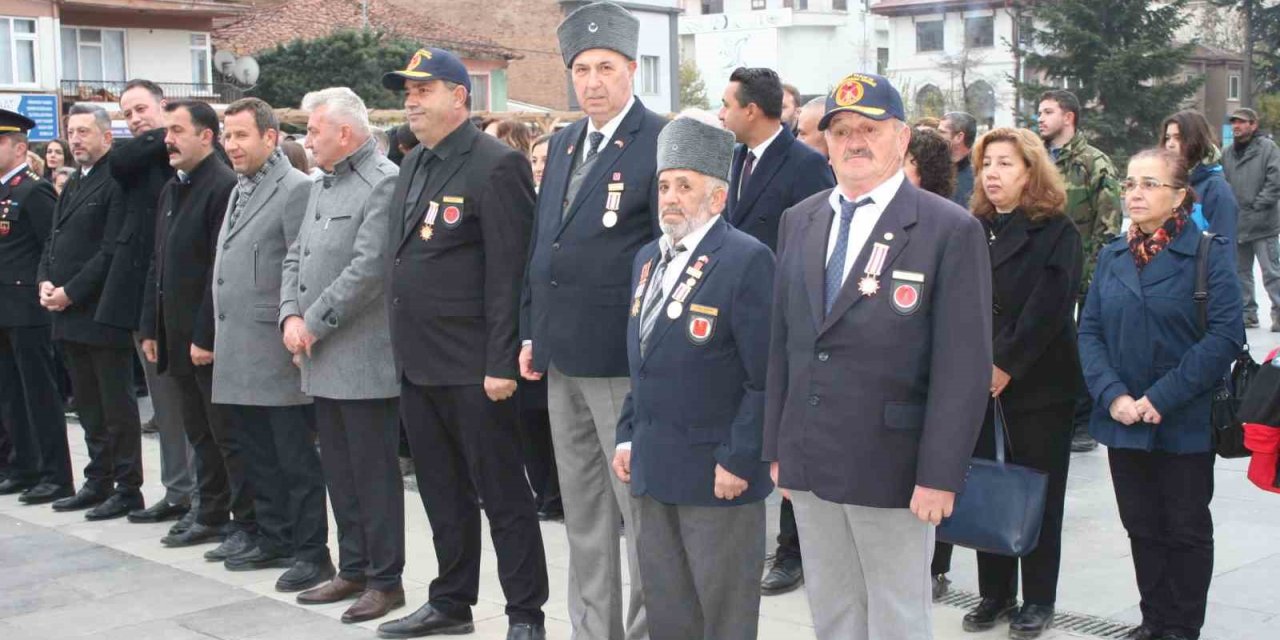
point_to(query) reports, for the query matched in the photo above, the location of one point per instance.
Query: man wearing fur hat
(596, 208)
(699, 311)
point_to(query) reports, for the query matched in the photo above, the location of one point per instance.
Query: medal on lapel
(908, 289)
(685, 289)
(613, 202)
(452, 213)
(429, 221)
(702, 323)
(638, 298)
(870, 282)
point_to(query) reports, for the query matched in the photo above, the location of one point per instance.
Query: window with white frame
(650, 75)
(200, 70)
(17, 51)
(93, 54)
(1233, 87)
(929, 36)
(480, 92)
(980, 32)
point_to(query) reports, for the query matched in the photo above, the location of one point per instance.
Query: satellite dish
(223, 61)
(245, 70)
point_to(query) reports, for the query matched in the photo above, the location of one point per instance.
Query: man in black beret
(30, 405)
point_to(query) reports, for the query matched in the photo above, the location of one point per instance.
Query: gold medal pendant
(868, 285)
(426, 232)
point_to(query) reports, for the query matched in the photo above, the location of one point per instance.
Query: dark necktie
(653, 298)
(418, 182)
(835, 266)
(746, 172)
(593, 144)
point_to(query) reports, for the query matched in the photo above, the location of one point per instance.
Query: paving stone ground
(64, 577)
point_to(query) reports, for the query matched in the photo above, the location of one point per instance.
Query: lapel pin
(618, 143)
(569, 152)
(888, 237)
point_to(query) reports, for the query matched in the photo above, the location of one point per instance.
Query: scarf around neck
(1145, 247)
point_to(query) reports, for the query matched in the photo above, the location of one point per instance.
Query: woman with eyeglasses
(1151, 366)
(1187, 134)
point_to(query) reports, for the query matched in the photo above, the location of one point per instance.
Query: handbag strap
(1201, 295)
(1002, 432)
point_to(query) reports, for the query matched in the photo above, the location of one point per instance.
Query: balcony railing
(110, 90)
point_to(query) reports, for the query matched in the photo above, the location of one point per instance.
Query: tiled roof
(279, 22)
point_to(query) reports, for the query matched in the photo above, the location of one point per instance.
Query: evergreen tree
(693, 92)
(1261, 31)
(1118, 56)
(355, 59)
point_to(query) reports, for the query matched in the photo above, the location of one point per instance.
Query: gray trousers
(584, 421)
(701, 567)
(177, 458)
(1267, 253)
(866, 570)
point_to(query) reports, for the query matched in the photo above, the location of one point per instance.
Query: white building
(953, 55)
(812, 44)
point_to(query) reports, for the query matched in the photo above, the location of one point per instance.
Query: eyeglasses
(1146, 184)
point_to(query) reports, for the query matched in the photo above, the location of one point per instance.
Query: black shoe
(183, 523)
(44, 493)
(1031, 621)
(303, 575)
(117, 506)
(1250, 322)
(941, 586)
(233, 544)
(786, 575)
(1174, 636)
(551, 513)
(1142, 632)
(526, 631)
(256, 559)
(150, 426)
(83, 499)
(1082, 442)
(159, 512)
(988, 612)
(426, 621)
(11, 485)
(195, 534)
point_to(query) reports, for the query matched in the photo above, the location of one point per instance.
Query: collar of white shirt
(9, 176)
(680, 260)
(84, 171)
(880, 195)
(609, 127)
(759, 149)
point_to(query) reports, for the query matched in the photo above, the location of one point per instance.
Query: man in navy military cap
(596, 208)
(879, 365)
(691, 453)
(30, 405)
(461, 210)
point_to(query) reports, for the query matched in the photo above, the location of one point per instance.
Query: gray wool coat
(251, 365)
(334, 279)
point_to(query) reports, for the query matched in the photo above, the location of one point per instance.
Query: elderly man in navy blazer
(879, 370)
(772, 171)
(690, 430)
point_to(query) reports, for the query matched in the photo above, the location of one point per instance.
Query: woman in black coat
(1036, 261)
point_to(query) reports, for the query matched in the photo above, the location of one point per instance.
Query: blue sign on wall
(42, 108)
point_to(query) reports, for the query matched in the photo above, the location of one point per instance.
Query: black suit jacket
(80, 251)
(888, 391)
(788, 172)
(26, 217)
(1036, 270)
(141, 167)
(178, 305)
(454, 298)
(576, 292)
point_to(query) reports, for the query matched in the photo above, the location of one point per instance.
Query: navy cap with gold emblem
(11, 122)
(429, 63)
(867, 94)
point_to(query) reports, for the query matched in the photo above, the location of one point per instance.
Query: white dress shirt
(676, 269)
(609, 128)
(864, 219)
(758, 152)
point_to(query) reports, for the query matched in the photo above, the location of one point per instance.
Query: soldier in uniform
(456, 261)
(698, 312)
(596, 208)
(30, 406)
(1093, 204)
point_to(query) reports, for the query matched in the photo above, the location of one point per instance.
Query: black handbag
(1001, 508)
(1224, 409)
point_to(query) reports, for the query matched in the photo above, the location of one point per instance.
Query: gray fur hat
(686, 143)
(599, 25)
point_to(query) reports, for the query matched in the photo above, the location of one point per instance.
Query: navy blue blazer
(887, 391)
(697, 395)
(788, 172)
(1139, 335)
(575, 295)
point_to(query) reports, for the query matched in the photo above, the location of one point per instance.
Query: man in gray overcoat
(334, 315)
(254, 378)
